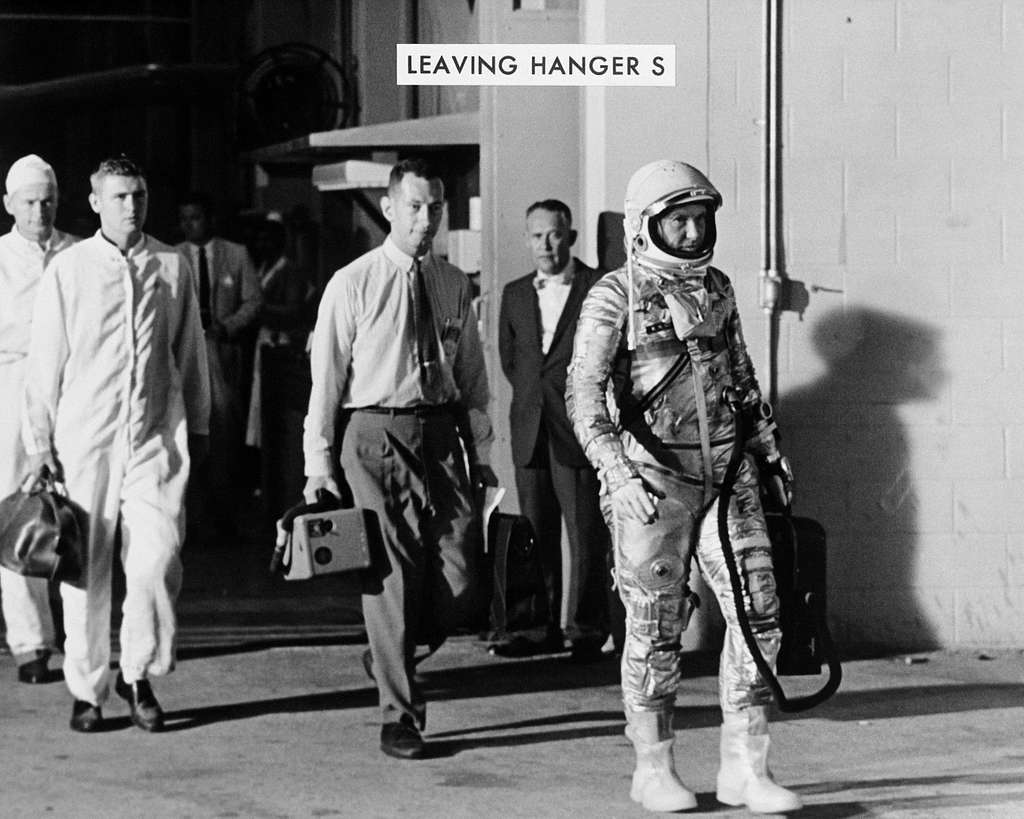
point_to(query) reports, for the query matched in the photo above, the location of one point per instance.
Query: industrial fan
(291, 90)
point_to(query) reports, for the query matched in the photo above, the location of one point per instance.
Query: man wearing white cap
(31, 199)
(117, 397)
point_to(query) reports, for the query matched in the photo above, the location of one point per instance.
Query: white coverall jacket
(116, 380)
(26, 600)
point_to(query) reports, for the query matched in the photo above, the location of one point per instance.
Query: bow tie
(540, 281)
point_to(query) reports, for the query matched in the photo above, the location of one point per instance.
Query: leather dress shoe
(401, 739)
(146, 711)
(35, 671)
(586, 651)
(516, 647)
(520, 646)
(85, 717)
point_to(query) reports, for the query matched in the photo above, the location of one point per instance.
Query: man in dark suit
(553, 477)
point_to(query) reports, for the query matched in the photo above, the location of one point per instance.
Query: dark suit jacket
(538, 380)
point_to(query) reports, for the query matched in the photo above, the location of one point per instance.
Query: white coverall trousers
(25, 600)
(146, 491)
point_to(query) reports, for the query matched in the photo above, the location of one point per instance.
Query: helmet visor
(684, 228)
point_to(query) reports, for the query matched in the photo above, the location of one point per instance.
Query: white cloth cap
(30, 170)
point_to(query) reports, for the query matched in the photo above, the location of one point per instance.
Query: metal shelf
(439, 132)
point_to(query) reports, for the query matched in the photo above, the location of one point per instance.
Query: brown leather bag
(41, 531)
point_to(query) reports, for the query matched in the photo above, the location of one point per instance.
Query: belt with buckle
(419, 410)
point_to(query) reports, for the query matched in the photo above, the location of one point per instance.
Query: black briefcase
(519, 601)
(42, 532)
(799, 555)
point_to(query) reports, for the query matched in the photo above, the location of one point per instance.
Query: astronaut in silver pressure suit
(661, 464)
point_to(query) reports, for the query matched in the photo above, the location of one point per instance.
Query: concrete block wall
(901, 382)
(900, 385)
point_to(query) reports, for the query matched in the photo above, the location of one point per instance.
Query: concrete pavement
(285, 724)
(270, 715)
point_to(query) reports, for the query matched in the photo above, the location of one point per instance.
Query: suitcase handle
(280, 560)
(325, 502)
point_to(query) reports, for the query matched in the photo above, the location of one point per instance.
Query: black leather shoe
(586, 651)
(401, 740)
(516, 647)
(520, 646)
(85, 717)
(146, 711)
(35, 671)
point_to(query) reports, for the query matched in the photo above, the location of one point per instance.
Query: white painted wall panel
(901, 384)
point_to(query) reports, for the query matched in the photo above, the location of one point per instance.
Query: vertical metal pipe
(766, 141)
(775, 136)
(771, 266)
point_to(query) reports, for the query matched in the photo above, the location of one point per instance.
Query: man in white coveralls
(116, 397)
(33, 241)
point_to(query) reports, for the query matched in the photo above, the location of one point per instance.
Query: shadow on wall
(850, 452)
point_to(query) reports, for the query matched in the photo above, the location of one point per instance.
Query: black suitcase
(798, 552)
(519, 600)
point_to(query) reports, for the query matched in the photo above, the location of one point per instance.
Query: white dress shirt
(363, 353)
(552, 294)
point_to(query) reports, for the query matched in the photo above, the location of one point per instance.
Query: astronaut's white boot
(655, 783)
(744, 778)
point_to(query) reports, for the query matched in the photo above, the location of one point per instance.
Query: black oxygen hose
(835, 669)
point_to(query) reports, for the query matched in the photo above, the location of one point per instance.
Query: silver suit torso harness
(669, 391)
(607, 380)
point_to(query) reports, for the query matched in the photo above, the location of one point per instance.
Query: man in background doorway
(229, 305)
(554, 479)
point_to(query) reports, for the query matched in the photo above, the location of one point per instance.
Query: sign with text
(535, 64)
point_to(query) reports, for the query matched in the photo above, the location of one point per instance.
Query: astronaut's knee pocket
(756, 566)
(661, 673)
(657, 616)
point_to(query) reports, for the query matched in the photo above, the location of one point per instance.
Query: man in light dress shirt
(230, 299)
(117, 400)
(33, 241)
(554, 479)
(396, 347)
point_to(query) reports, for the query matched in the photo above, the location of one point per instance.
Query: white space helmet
(651, 191)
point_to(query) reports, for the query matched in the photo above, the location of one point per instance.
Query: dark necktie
(204, 288)
(426, 335)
